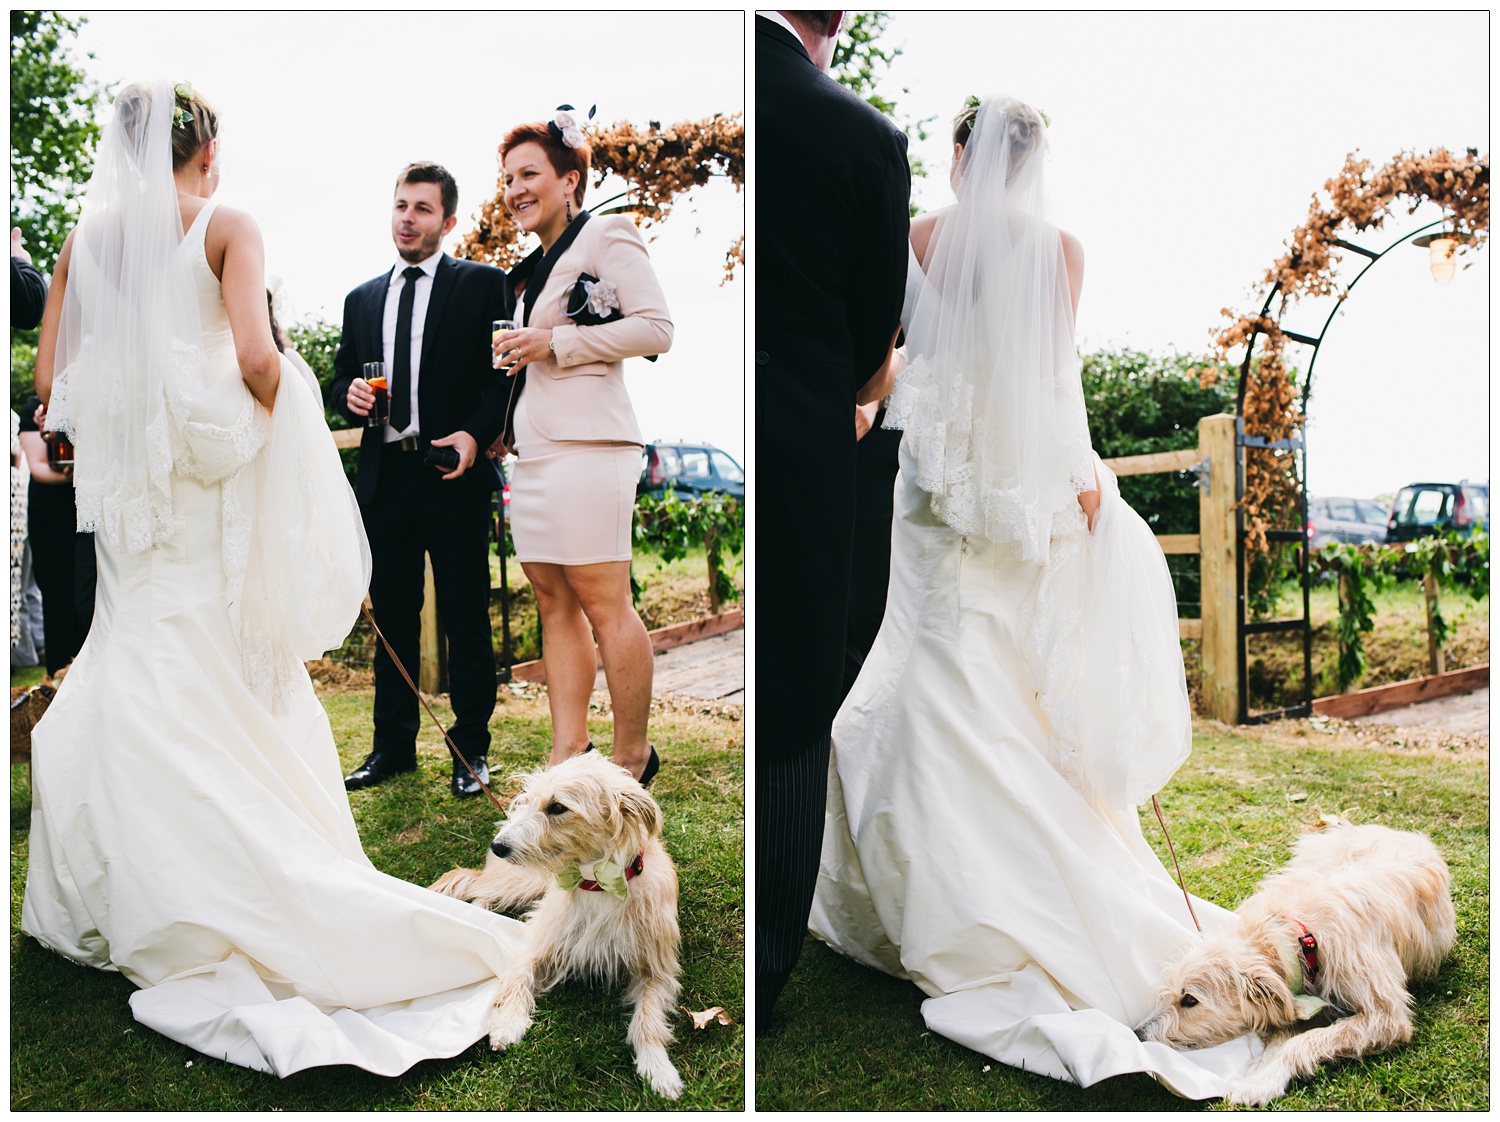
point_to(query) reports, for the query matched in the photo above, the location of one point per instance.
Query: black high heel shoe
(587, 750)
(653, 765)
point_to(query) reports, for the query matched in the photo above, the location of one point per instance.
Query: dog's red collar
(631, 870)
(1307, 944)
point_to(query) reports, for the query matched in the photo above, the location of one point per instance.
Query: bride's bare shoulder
(922, 228)
(1072, 254)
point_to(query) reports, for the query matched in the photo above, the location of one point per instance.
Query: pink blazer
(581, 394)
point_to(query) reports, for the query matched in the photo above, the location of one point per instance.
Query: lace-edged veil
(130, 338)
(991, 401)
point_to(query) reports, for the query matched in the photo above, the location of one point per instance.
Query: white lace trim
(937, 415)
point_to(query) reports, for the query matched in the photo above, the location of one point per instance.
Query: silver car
(1332, 519)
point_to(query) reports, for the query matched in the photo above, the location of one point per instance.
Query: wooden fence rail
(1218, 629)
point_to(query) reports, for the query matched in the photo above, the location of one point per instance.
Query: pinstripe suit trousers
(791, 792)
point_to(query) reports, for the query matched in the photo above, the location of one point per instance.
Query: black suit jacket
(457, 388)
(832, 224)
(28, 294)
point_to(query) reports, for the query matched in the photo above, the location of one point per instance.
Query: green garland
(670, 526)
(1460, 562)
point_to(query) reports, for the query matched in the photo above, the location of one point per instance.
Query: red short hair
(562, 158)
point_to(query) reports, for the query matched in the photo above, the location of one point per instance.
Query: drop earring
(568, 208)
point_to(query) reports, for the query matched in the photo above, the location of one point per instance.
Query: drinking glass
(499, 326)
(380, 413)
(59, 450)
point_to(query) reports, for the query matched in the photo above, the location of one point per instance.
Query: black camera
(444, 459)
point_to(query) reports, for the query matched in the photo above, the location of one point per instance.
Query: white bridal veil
(991, 337)
(993, 411)
(130, 354)
(148, 395)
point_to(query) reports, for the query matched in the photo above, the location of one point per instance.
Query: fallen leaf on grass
(1296, 796)
(704, 1018)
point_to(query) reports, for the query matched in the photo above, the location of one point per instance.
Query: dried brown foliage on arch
(1358, 198)
(658, 166)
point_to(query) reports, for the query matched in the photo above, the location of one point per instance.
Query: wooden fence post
(1221, 663)
(429, 668)
(1435, 659)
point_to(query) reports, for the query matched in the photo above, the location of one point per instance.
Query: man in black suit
(832, 222)
(428, 319)
(28, 288)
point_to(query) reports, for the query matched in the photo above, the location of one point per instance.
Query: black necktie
(401, 374)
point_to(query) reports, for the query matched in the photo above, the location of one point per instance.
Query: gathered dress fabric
(189, 825)
(960, 851)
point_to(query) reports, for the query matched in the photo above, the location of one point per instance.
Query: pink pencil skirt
(571, 501)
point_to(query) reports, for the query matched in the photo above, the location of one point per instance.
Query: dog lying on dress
(581, 849)
(1357, 913)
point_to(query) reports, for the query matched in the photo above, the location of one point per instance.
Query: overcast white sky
(321, 110)
(1185, 148)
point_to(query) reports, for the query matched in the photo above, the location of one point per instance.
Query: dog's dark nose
(500, 849)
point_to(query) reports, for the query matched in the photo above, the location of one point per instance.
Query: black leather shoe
(464, 786)
(377, 769)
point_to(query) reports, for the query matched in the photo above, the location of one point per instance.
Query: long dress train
(189, 826)
(1033, 914)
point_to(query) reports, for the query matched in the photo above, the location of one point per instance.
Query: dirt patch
(1330, 732)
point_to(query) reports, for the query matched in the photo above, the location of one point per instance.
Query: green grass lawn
(850, 1038)
(74, 1045)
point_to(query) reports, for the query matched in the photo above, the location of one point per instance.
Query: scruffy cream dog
(1357, 912)
(582, 844)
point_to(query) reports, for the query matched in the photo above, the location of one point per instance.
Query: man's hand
(16, 248)
(361, 398)
(864, 419)
(468, 449)
(499, 450)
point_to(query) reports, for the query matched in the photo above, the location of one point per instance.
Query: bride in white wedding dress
(1026, 690)
(189, 825)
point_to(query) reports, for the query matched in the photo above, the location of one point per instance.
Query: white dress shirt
(777, 17)
(418, 319)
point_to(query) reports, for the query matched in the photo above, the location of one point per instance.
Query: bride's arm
(46, 344)
(243, 283)
(880, 384)
(1072, 250)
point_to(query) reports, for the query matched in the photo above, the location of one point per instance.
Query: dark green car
(1423, 510)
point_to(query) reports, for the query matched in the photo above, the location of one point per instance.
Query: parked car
(690, 470)
(1423, 510)
(1331, 519)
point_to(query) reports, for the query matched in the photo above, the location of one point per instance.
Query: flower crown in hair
(565, 126)
(972, 102)
(181, 115)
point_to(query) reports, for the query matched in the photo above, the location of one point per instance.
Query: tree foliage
(52, 130)
(860, 63)
(1140, 403)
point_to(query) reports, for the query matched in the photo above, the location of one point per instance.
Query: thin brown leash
(1173, 851)
(457, 755)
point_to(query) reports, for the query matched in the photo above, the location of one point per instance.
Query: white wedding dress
(981, 836)
(189, 826)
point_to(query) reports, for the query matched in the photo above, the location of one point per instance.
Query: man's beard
(422, 250)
